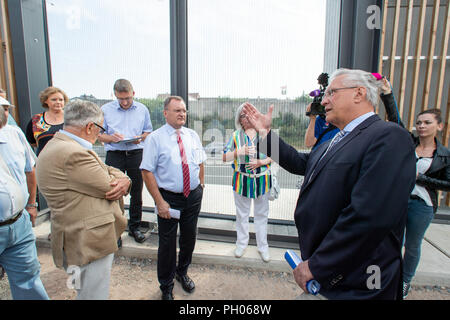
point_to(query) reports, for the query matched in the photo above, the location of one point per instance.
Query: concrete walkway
(434, 267)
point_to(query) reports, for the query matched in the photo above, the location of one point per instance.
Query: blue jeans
(419, 218)
(18, 256)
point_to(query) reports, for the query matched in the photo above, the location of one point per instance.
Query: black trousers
(129, 162)
(167, 230)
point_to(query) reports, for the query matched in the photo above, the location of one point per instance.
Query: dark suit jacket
(351, 211)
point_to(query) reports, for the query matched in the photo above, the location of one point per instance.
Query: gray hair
(169, 99)
(360, 78)
(237, 120)
(78, 113)
(123, 85)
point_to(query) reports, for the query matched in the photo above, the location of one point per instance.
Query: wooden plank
(382, 41)
(2, 61)
(445, 137)
(12, 91)
(441, 77)
(446, 131)
(403, 79)
(394, 40)
(431, 49)
(416, 73)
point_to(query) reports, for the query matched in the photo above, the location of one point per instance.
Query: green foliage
(291, 127)
(304, 98)
(156, 108)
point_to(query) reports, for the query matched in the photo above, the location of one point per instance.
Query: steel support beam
(178, 49)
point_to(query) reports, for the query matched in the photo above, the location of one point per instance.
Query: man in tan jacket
(85, 198)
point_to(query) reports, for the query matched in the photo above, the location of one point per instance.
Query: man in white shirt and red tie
(173, 172)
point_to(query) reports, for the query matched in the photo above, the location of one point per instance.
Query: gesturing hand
(261, 122)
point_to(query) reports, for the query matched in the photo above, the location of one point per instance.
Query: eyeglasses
(329, 93)
(102, 130)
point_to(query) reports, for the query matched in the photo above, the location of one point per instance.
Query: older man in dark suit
(351, 211)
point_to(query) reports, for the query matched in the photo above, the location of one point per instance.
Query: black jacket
(437, 176)
(351, 210)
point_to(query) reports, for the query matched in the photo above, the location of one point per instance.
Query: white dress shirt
(17, 158)
(162, 157)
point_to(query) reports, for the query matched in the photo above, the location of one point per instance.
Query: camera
(316, 107)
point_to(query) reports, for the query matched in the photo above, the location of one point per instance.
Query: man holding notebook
(127, 123)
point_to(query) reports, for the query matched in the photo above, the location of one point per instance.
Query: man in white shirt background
(173, 172)
(18, 253)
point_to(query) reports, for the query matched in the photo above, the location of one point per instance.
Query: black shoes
(137, 235)
(186, 282)
(167, 295)
(119, 243)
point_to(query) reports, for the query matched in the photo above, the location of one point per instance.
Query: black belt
(170, 192)
(415, 197)
(127, 152)
(175, 193)
(12, 220)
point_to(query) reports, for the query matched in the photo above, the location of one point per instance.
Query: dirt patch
(136, 279)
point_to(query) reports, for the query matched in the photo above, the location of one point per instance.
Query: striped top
(247, 186)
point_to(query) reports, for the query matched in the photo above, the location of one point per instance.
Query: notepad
(174, 213)
(127, 140)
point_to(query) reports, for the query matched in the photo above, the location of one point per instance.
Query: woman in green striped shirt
(251, 182)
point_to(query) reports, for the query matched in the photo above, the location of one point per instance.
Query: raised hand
(261, 122)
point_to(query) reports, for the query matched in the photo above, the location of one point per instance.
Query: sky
(236, 48)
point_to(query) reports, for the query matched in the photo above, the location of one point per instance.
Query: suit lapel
(320, 164)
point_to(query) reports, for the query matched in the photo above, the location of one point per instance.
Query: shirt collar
(84, 143)
(355, 122)
(171, 130)
(133, 106)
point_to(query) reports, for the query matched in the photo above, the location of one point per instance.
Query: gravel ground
(136, 279)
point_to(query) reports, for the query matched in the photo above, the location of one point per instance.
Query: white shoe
(265, 256)
(239, 252)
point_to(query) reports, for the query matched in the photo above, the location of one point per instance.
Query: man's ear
(360, 94)
(89, 127)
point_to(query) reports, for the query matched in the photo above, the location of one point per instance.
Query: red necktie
(185, 167)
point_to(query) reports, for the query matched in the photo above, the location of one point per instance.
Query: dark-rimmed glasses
(102, 130)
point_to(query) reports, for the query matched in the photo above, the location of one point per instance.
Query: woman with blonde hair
(43, 126)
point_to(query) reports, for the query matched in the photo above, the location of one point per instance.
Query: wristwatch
(32, 205)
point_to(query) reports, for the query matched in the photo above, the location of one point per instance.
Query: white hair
(237, 120)
(360, 78)
(78, 113)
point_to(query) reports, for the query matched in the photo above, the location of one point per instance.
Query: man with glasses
(127, 123)
(351, 210)
(86, 200)
(320, 131)
(173, 172)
